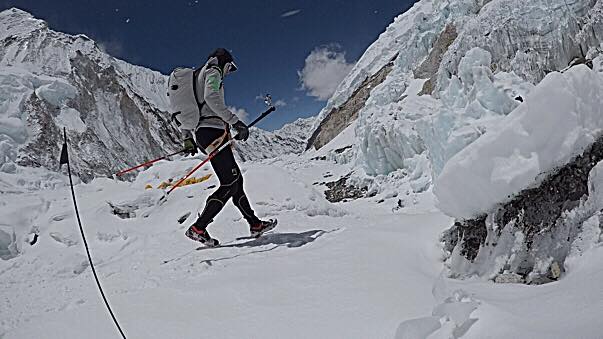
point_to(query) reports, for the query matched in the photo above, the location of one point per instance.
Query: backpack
(182, 95)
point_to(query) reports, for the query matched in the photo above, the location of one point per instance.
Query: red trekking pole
(148, 163)
(213, 154)
(209, 157)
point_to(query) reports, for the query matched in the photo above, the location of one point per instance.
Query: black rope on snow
(65, 159)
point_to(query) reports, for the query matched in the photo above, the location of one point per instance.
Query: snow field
(314, 276)
(352, 270)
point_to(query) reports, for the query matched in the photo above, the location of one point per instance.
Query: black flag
(64, 155)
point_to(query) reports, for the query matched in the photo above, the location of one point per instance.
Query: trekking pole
(209, 157)
(148, 163)
(215, 152)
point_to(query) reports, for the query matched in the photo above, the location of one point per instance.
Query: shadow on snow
(289, 240)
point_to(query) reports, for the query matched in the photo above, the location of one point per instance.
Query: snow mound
(306, 199)
(560, 118)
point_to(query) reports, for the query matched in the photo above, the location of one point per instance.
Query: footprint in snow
(450, 319)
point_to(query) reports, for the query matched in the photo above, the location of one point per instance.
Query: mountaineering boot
(262, 227)
(201, 235)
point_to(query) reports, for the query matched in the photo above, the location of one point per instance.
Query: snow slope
(316, 269)
(328, 270)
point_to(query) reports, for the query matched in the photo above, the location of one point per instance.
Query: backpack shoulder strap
(195, 75)
(216, 67)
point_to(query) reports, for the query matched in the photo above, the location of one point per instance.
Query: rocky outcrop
(429, 68)
(115, 113)
(538, 226)
(342, 116)
(117, 134)
(341, 190)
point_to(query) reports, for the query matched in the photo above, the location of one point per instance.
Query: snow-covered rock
(529, 194)
(540, 233)
(560, 118)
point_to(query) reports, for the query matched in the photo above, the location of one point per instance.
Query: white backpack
(182, 94)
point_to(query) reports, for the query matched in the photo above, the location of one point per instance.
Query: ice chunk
(13, 128)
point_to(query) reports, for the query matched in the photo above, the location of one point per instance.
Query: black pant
(231, 181)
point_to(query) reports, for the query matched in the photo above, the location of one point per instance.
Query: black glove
(242, 131)
(189, 146)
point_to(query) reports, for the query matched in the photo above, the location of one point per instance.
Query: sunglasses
(230, 67)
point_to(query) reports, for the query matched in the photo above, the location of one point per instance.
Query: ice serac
(458, 68)
(341, 117)
(522, 194)
(464, 72)
(529, 38)
(115, 113)
(403, 45)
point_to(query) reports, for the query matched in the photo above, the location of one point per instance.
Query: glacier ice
(503, 48)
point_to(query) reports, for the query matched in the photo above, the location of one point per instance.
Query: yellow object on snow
(164, 185)
(189, 181)
(148, 187)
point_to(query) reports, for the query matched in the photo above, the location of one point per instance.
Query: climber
(210, 128)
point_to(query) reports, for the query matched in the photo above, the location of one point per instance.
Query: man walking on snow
(212, 131)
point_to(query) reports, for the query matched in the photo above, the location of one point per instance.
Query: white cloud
(280, 103)
(240, 113)
(290, 13)
(324, 69)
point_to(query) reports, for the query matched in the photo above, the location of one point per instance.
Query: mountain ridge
(116, 114)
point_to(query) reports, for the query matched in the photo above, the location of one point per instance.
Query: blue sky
(270, 40)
